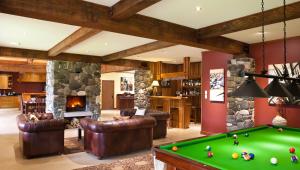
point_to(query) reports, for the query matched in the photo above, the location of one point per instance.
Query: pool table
(264, 142)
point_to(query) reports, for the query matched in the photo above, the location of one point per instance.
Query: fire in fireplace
(75, 103)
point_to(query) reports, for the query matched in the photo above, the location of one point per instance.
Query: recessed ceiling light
(106, 44)
(198, 8)
(24, 33)
(260, 33)
(15, 43)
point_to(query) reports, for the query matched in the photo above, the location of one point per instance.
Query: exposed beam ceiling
(137, 50)
(78, 36)
(19, 66)
(120, 11)
(43, 55)
(251, 21)
(105, 68)
(86, 14)
(127, 8)
(130, 63)
(37, 54)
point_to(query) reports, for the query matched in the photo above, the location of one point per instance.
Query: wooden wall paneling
(186, 67)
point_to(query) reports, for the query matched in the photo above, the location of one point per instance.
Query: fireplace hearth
(76, 103)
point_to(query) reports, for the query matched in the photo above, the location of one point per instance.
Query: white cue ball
(274, 161)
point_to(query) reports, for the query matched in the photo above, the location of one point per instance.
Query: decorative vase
(279, 121)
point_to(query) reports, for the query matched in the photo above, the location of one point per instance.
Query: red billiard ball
(210, 154)
(174, 148)
(292, 150)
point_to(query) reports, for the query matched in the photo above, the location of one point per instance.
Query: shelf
(190, 87)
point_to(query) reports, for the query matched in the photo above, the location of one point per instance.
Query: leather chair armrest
(122, 125)
(158, 115)
(39, 126)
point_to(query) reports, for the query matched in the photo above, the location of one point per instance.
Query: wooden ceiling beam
(21, 66)
(251, 21)
(43, 55)
(86, 14)
(127, 8)
(78, 36)
(138, 50)
(105, 68)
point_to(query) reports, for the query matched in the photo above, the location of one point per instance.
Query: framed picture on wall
(278, 70)
(126, 84)
(216, 93)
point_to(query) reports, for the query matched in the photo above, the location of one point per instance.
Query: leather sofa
(160, 130)
(117, 137)
(42, 137)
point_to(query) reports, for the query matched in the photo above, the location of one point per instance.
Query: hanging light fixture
(250, 88)
(294, 88)
(275, 88)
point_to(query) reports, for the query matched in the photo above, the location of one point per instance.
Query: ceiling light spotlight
(106, 44)
(198, 8)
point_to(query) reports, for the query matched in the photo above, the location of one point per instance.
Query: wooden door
(107, 94)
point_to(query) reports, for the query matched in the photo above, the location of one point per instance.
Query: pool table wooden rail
(175, 162)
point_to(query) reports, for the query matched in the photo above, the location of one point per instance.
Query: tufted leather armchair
(42, 137)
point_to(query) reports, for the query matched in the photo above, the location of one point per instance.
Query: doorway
(108, 92)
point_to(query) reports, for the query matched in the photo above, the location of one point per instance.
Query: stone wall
(240, 112)
(72, 78)
(142, 83)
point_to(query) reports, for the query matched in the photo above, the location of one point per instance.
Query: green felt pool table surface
(264, 142)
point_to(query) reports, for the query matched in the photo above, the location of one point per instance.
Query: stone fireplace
(74, 81)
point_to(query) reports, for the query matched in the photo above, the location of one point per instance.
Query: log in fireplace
(75, 103)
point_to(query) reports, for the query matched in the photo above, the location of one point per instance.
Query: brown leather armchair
(43, 137)
(160, 130)
(117, 137)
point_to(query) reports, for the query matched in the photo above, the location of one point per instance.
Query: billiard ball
(246, 134)
(235, 136)
(246, 157)
(174, 148)
(292, 150)
(208, 148)
(274, 161)
(251, 155)
(235, 155)
(294, 158)
(280, 129)
(236, 142)
(210, 154)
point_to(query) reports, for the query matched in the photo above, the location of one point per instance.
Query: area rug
(143, 162)
(72, 145)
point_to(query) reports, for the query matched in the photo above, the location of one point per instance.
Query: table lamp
(155, 84)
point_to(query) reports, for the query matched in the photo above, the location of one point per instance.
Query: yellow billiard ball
(235, 155)
(174, 148)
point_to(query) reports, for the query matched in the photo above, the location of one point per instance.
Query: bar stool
(195, 114)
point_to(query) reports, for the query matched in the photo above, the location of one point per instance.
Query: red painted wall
(213, 114)
(274, 55)
(24, 87)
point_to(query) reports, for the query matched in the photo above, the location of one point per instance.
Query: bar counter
(171, 104)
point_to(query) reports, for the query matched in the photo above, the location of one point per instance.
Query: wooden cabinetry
(9, 102)
(32, 77)
(5, 81)
(125, 101)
